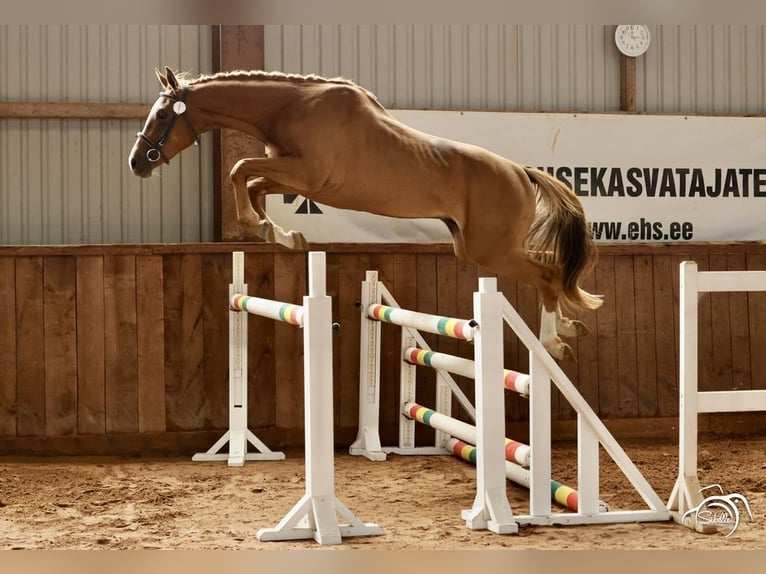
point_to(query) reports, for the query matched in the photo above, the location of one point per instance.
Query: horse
(332, 142)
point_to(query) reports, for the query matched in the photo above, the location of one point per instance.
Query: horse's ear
(171, 77)
(163, 80)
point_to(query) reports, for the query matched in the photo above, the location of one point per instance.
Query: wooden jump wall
(124, 349)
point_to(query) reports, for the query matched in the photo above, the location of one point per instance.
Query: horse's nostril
(132, 163)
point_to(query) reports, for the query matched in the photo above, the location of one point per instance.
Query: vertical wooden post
(627, 83)
(234, 48)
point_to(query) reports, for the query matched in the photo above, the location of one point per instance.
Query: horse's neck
(247, 106)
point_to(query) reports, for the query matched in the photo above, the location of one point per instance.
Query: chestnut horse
(331, 141)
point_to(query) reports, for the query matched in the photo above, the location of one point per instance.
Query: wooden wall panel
(30, 348)
(184, 342)
(290, 285)
(8, 406)
(150, 343)
(132, 341)
(120, 344)
(91, 353)
(216, 276)
(262, 383)
(60, 340)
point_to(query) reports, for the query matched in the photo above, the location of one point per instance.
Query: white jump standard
(686, 493)
(239, 436)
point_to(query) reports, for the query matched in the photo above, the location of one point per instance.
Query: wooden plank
(666, 334)
(646, 336)
(608, 376)
(120, 350)
(627, 363)
(721, 377)
(30, 349)
(8, 406)
(91, 332)
(216, 276)
(74, 110)
(262, 366)
(59, 295)
(627, 83)
(351, 272)
(586, 349)
(150, 333)
(741, 376)
(290, 285)
(757, 326)
(183, 342)
(705, 333)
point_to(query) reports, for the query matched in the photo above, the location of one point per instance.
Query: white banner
(640, 178)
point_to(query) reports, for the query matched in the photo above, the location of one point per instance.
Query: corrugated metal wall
(66, 181)
(479, 67)
(716, 69)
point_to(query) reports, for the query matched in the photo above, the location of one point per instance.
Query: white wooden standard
(490, 509)
(315, 515)
(686, 493)
(238, 436)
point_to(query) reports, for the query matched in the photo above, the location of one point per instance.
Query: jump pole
(239, 436)
(315, 515)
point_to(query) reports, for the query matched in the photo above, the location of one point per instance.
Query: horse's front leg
(250, 214)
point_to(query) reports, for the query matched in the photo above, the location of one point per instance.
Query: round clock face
(632, 40)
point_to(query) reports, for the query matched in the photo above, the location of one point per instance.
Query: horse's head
(163, 136)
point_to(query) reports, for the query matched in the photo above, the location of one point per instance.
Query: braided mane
(260, 75)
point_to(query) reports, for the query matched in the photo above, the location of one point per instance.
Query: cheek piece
(154, 153)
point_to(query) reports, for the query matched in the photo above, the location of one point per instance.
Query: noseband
(154, 153)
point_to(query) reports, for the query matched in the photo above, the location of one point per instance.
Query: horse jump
(686, 494)
(486, 369)
(238, 436)
(315, 514)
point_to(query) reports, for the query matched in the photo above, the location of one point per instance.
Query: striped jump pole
(514, 451)
(275, 310)
(512, 380)
(455, 328)
(560, 493)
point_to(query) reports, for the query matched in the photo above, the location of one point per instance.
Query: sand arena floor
(100, 503)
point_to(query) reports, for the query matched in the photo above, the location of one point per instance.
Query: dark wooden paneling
(30, 347)
(139, 336)
(185, 389)
(120, 344)
(8, 406)
(262, 367)
(91, 333)
(60, 340)
(290, 285)
(150, 333)
(216, 276)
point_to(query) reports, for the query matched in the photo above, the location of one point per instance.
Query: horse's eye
(162, 114)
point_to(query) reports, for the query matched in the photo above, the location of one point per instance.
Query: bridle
(154, 153)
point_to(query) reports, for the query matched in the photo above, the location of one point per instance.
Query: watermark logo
(720, 511)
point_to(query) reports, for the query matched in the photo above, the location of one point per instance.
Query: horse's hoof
(239, 232)
(297, 241)
(571, 328)
(560, 351)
